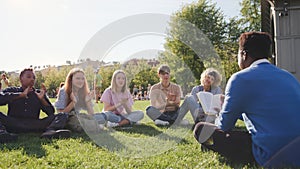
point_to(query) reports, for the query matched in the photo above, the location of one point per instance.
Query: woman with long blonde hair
(118, 103)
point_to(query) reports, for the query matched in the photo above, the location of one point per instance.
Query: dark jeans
(22, 125)
(169, 116)
(234, 145)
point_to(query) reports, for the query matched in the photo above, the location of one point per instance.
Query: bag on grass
(80, 122)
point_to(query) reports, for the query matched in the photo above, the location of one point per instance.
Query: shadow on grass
(142, 129)
(29, 143)
(32, 145)
(159, 131)
(236, 164)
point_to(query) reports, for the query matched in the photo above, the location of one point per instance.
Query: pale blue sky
(49, 32)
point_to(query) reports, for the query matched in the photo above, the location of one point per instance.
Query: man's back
(270, 98)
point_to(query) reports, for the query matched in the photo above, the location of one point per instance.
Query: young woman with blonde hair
(118, 103)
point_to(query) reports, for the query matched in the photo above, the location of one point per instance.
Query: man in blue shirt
(268, 99)
(24, 106)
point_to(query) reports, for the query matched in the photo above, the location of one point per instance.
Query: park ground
(142, 146)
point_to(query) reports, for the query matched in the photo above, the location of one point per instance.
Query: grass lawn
(142, 146)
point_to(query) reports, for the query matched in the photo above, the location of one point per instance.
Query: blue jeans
(154, 114)
(133, 117)
(190, 104)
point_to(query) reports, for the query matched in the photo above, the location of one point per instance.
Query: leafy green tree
(229, 50)
(106, 73)
(52, 80)
(14, 79)
(139, 72)
(89, 74)
(251, 15)
(39, 79)
(196, 32)
(145, 77)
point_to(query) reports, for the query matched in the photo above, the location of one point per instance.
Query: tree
(196, 32)
(39, 79)
(106, 72)
(251, 15)
(145, 77)
(89, 74)
(52, 80)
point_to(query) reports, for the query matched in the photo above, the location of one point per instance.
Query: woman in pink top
(118, 103)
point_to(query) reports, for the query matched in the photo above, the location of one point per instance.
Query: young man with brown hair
(164, 99)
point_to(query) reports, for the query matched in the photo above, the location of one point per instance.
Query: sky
(51, 32)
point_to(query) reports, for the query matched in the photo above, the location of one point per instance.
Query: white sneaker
(161, 122)
(138, 123)
(101, 126)
(111, 124)
(184, 122)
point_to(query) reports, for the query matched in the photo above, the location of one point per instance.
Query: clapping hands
(123, 101)
(41, 93)
(89, 96)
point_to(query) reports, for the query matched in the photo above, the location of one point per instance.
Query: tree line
(199, 36)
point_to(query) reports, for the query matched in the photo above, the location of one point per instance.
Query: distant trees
(251, 15)
(199, 36)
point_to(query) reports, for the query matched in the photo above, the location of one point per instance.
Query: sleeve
(235, 98)
(179, 92)
(60, 102)
(130, 100)
(218, 90)
(106, 96)
(7, 97)
(49, 110)
(194, 91)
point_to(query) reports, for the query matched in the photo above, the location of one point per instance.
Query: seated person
(118, 103)
(164, 99)
(24, 111)
(268, 104)
(74, 96)
(210, 81)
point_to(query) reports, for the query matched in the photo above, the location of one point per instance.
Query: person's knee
(197, 130)
(101, 118)
(62, 116)
(141, 115)
(149, 111)
(203, 131)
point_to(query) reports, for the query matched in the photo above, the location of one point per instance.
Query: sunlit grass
(142, 146)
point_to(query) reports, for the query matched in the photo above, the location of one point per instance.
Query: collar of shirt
(259, 62)
(165, 88)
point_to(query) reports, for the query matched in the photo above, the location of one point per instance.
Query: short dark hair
(25, 70)
(163, 69)
(256, 44)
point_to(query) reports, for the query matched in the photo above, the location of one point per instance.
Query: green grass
(143, 146)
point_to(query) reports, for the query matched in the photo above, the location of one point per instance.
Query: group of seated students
(264, 96)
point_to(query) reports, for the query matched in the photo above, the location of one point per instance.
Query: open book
(210, 102)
